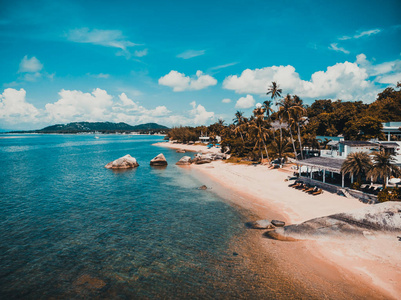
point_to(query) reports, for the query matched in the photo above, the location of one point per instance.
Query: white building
(392, 129)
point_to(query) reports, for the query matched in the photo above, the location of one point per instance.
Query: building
(392, 129)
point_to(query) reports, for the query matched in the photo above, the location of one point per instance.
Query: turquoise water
(69, 228)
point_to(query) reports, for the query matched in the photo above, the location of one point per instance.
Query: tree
(383, 167)
(238, 121)
(298, 119)
(281, 147)
(274, 91)
(357, 163)
(259, 131)
(267, 106)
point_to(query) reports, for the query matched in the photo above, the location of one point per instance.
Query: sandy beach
(364, 267)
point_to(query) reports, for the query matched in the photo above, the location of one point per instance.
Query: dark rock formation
(159, 160)
(125, 162)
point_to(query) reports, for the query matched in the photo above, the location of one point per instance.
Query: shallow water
(71, 228)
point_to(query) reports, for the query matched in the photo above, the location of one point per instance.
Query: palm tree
(287, 111)
(281, 148)
(239, 121)
(357, 163)
(274, 91)
(384, 166)
(267, 106)
(258, 130)
(298, 118)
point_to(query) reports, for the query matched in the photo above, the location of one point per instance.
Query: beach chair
(314, 190)
(318, 192)
(310, 189)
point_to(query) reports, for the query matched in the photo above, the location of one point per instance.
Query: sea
(72, 229)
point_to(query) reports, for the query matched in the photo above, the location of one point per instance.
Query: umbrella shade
(394, 180)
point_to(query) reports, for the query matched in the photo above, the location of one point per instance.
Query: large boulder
(125, 162)
(202, 159)
(381, 218)
(159, 160)
(185, 160)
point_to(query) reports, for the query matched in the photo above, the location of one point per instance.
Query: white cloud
(179, 82)
(141, 53)
(30, 65)
(334, 47)
(99, 76)
(199, 115)
(76, 106)
(191, 53)
(360, 34)
(346, 81)
(226, 100)
(223, 66)
(245, 102)
(108, 38)
(14, 109)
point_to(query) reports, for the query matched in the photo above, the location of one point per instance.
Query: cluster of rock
(128, 162)
(265, 224)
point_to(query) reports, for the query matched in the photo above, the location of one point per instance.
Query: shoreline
(368, 267)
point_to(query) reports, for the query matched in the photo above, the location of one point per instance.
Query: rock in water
(185, 160)
(180, 151)
(159, 160)
(261, 224)
(125, 162)
(203, 187)
(278, 223)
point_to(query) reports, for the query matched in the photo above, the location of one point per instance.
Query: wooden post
(324, 175)
(352, 178)
(342, 182)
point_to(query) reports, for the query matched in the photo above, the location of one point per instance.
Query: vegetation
(254, 137)
(357, 163)
(383, 167)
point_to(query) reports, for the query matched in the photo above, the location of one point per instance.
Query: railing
(331, 153)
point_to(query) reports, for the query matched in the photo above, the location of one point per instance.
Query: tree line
(293, 127)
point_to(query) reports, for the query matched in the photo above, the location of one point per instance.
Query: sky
(188, 62)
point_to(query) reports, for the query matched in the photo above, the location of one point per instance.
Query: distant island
(100, 127)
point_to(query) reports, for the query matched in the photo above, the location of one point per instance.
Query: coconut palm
(281, 148)
(239, 121)
(274, 91)
(267, 106)
(357, 163)
(286, 113)
(258, 130)
(298, 119)
(383, 167)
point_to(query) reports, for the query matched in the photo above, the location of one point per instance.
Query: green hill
(103, 127)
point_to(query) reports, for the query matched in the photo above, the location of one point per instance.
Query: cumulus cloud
(245, 102)
(347, 81)
(14, 109)
(179, 82)
(334, 47)
(30, 65)
(226, 100)
(108, 38)
(199, 115)
(191, 53)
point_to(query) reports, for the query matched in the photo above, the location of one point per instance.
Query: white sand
(375, 261)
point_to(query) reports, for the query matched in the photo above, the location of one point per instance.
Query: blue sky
(187, 62)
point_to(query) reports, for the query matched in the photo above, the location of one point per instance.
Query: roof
(329, 164)
(333, 143)
(389, 145)
(358, 143)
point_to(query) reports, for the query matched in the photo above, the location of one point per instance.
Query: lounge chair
(314, 190)
(318, 192)
(310, 189)
(294, 183)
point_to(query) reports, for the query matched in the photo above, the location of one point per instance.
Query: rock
(261, 224)
(180, 151)
(367, 222)
(203, 187)
(125, 162)
(278, 223)
(185, 160)
(202, 159)
(159, 160)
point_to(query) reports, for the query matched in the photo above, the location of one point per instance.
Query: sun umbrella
(394, 180)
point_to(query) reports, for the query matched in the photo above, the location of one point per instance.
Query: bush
(356, 185)
(388, 194)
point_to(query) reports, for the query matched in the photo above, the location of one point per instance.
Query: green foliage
(388, 194)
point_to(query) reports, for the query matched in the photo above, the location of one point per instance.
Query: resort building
(392, 130)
